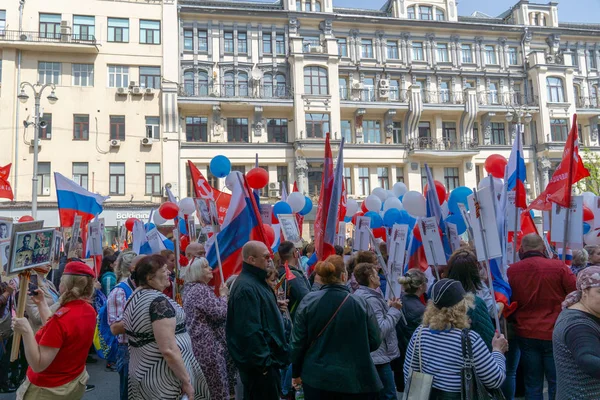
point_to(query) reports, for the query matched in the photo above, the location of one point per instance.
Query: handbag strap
(467, 349)
(330, 320)
(417, 350)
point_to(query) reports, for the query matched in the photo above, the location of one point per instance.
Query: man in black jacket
(254, 328)
(296, 288)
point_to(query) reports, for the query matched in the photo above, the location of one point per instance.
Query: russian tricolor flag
(74, 200)
(516, 173)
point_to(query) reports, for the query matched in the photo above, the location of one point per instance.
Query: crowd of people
(283, 330)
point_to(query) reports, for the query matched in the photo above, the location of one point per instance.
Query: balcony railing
(312, 46)
(227, 90)
(493, 98)
(587, 102)
(374, 95)
(442, 97)
(37, 37)
(432, 144)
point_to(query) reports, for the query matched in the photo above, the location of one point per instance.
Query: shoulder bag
(418, 384)
(471, 386)
(330, 320)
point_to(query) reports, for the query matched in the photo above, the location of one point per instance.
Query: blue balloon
(400, 197)
(586, 228)
(281, 207)
(148, 226)
(308, 205)
(458, 220)
(458, 196)
(376, 220)
(406, 219)
(391, 217)
(347, 219)
(220, 166)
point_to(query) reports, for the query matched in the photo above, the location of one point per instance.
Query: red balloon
(440, 189)
(363, 207)
(380, 233)
(184, 242)
(168, 210)
(26, 218)
(495, 165)
(129, 223)
(588, 214)
(257, 178)
(270, 235)
(358, 214)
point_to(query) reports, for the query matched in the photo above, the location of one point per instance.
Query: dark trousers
(123, 370)
(259, 386)
(437, 394)
(513, 355)
(387, 378)
(537, 360)
(311, 393)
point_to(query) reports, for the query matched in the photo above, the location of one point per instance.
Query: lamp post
(37, 89)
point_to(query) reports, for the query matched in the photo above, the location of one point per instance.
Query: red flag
(527, 224)
(203, 190)
(5, 188)
(324, 200)
(299, 218)
(289, 275)
(342, 207)
(570, 170)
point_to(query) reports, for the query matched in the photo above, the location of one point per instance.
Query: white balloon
(414, 203)
(390, 193)
(373, 203)
(400, 189)
(392, 202)
(588, 199)
(232, 179)
(591, 238)
(498, 184)
(187, 205)
(351, 207)
(297, 201)
(157, 219)
(381, 193)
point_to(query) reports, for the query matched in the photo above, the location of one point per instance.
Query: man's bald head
(252, 249)
(532, 242)
(195, 250)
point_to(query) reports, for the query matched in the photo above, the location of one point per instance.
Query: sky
(587, 11)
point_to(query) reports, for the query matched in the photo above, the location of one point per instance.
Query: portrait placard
(289, 227)
(5, 229)
(31, 249)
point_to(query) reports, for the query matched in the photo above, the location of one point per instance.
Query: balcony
(235, 91)
(442, 97)
(493, 98)
(370, 94)
(434, 145)
(587, 102)
(48, 41)
(314, 46)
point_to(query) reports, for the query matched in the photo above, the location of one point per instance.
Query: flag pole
(568, 194)
(435, 263)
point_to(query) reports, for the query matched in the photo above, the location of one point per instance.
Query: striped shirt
(441, 356)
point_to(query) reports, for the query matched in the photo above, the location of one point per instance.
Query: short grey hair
(580, 258)
(193, 273)
(123, 263)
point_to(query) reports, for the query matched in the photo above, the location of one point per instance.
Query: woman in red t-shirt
(57, 352)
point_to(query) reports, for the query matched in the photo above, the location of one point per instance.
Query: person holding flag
(296, 284)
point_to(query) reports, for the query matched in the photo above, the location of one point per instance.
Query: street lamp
(37, 89)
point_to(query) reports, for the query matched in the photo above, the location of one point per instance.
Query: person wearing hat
(57, 352)
(439, 344)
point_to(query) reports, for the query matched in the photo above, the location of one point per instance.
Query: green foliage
(591, 160)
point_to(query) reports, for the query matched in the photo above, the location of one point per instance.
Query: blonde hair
(449, 317)
(412, 280)
(123, 263)
(76, 287)
(193, 273)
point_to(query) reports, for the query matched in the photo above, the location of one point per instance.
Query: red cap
(78, 268)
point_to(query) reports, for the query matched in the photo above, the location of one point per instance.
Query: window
(153, 127)
(591, 59)
(277, 130)
(442, 52)
(343, 47)
(237, 130)
(116, 179)
(372, 131)
(317, 6)
(363, 181)
(196, 129)
(202, 83)
(2, 21)
(242, 42)
(49, 26)
(555, 90)
(498, 135)
(424, 130)
(280, 43)
(493, 93)
(84, 27)
(425, 13)
(343, 84)
(118, 76)
(317, 125)
(80, 174)
(81, 127)
(594, 95)
(43, 184)
(410, 12)
(467, 53)
(117, 127)
(150, 77)
(439, 15)
(400, 174)
(559, 130)
(188, 39)
(392, 50)
(417, 51)
(46, 133)
(451, 178)
(444, 92)
(346, 130)
(83, 74)
(267, 43)
(367, 48)
(282, 175)
(383, 178)
(48, 72)
(315, 81)
(309, 42)
(449, 133)
(397, 131)
(149, 32)
(188, 83)
(512, 56)
(368, 94)
(298, 5)
(118, 30)
(243, 84)
(202, 40)
(228, 39)
(490, 55)
(348, 180)
(307, 5)
(394, 89)
(423, 178)
(153, 187)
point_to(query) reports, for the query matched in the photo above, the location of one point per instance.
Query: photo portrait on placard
(4, 256)
(5, 229)
(57, 247)
(31, 249)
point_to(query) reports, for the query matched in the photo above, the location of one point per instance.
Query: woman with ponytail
(57, 352)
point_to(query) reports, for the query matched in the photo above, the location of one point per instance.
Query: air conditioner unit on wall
(121, 91)
(32, 143)
(384, 93)
(132, 84)
(136, 90)
(149, 91)
(273, 193)
(115, 143)
(357, 85)
(147, 141)
(384, 83)
(315, 48)
(274, 186)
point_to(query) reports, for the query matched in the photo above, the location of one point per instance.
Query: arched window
(594, 96)
(425, 13)
(439, 15)
(307, 5)
(229, 84)
(298, 5)
(556, 92)
(188, 83)
(318, 6)
(268, 86)
(315, 80)
(243, 84)
(203, 83)
(281, 89)
(410, 12)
